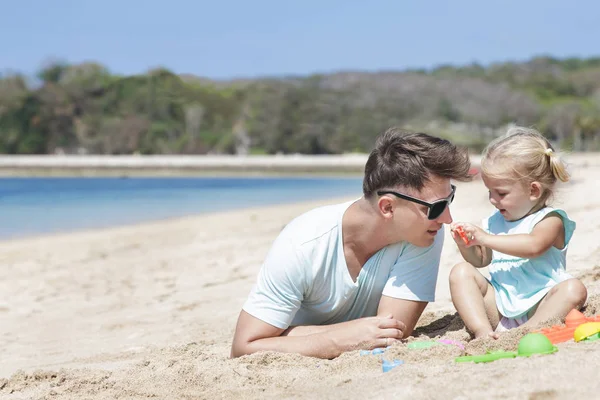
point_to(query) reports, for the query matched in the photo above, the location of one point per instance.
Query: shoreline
(75, 204)
(157, 224)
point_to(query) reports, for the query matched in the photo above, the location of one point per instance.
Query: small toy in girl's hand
(462, 234)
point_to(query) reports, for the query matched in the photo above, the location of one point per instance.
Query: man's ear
(385, 206)
(535, 191)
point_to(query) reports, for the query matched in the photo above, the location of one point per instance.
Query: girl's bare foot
(487, 334)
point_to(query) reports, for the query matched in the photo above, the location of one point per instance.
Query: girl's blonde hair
(526, 155)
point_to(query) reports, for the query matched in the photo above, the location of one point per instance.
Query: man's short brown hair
(411, 159)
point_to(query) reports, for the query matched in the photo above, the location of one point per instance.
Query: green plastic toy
(487, 357)
(530, 344)
(535, 343)
(591, 338)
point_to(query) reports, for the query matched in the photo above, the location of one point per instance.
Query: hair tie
(548, 152)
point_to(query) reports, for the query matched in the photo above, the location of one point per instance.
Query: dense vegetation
(86, 109)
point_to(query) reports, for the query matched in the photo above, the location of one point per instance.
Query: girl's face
(512, 197)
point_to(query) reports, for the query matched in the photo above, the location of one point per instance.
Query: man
(358, 275)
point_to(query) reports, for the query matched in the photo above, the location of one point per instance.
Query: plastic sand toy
(387, 366)
(535, 343)
(487, 357)
(462, 234)
(563, 333)
(372, 352)
(530, 344)
(588, 331)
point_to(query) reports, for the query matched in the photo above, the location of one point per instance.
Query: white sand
(149, 311)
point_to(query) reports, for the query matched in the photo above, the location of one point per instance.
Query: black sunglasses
(434, 210)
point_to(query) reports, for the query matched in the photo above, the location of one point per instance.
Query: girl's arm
(547, 233)
(477, 256)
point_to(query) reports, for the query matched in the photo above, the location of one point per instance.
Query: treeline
(86, 109)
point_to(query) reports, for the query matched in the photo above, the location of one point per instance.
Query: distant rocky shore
(180, 164)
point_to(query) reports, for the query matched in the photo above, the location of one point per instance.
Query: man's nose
(445, 217)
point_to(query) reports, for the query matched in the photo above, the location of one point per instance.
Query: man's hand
(368, 333)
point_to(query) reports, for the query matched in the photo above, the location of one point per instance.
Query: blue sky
(227, 39)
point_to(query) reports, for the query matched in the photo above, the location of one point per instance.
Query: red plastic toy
(563, 333)
(462, 234)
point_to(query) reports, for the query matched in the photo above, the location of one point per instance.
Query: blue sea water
(33, 206)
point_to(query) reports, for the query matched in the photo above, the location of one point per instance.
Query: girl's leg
(474, 299)
(561, 299)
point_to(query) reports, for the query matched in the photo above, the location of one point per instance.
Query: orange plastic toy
(462, 234)
(563, 333)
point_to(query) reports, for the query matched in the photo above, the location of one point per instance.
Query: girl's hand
(458, 234)
(467, 235)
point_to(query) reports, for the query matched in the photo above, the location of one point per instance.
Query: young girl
(524, 242)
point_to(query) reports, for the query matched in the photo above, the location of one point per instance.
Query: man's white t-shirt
(305, 280)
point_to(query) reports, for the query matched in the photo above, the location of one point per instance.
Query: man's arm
(477, 256)
(407, 311)
(411, 284)
(253, 335)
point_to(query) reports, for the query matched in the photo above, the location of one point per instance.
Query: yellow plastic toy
(589, 331)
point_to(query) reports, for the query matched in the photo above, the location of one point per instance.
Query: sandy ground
(149, 311)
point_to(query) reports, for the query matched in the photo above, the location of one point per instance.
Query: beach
(149, 310)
